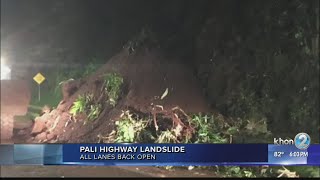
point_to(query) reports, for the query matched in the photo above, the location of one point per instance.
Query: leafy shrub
(113, 83)
(128, 128)
(167, 136)
(86, 104)
(208, 130)
(94, 111)
(79, 105)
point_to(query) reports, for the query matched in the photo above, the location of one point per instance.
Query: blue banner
(165, 154)
(158, 154)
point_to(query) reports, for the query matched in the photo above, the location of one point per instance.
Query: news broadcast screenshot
(160, 88)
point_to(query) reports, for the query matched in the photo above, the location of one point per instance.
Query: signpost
(39, 78)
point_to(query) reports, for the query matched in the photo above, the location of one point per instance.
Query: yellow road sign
(39, 78)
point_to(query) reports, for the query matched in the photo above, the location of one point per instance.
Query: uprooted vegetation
(86, 105)
(113, 83)
(176, 126)
(89, 107)
(134, 127)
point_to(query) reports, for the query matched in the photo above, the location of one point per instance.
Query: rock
(41, 136)
(51, 136)
(39, 126)
(46, 116)
(54, 112)
(49, 123)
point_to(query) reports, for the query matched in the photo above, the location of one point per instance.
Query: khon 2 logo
(302, 141)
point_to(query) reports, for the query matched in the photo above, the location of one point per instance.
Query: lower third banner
(165, 154)
(158, 154)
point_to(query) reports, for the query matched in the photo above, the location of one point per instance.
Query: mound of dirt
(146, 77)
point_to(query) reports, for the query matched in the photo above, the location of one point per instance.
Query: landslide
(152, 85)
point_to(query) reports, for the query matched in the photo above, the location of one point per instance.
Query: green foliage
(207, 130)
(276, 66)
(79, 105)
(266, 171)
(94, 111)
(87, 105)
(278, 80)
(215, 129)
(113, 84)
(236, 171)
(128, 128)
(166, 137)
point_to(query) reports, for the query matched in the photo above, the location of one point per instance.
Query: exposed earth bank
(147, 77)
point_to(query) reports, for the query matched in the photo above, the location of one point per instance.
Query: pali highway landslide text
(132, 149)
